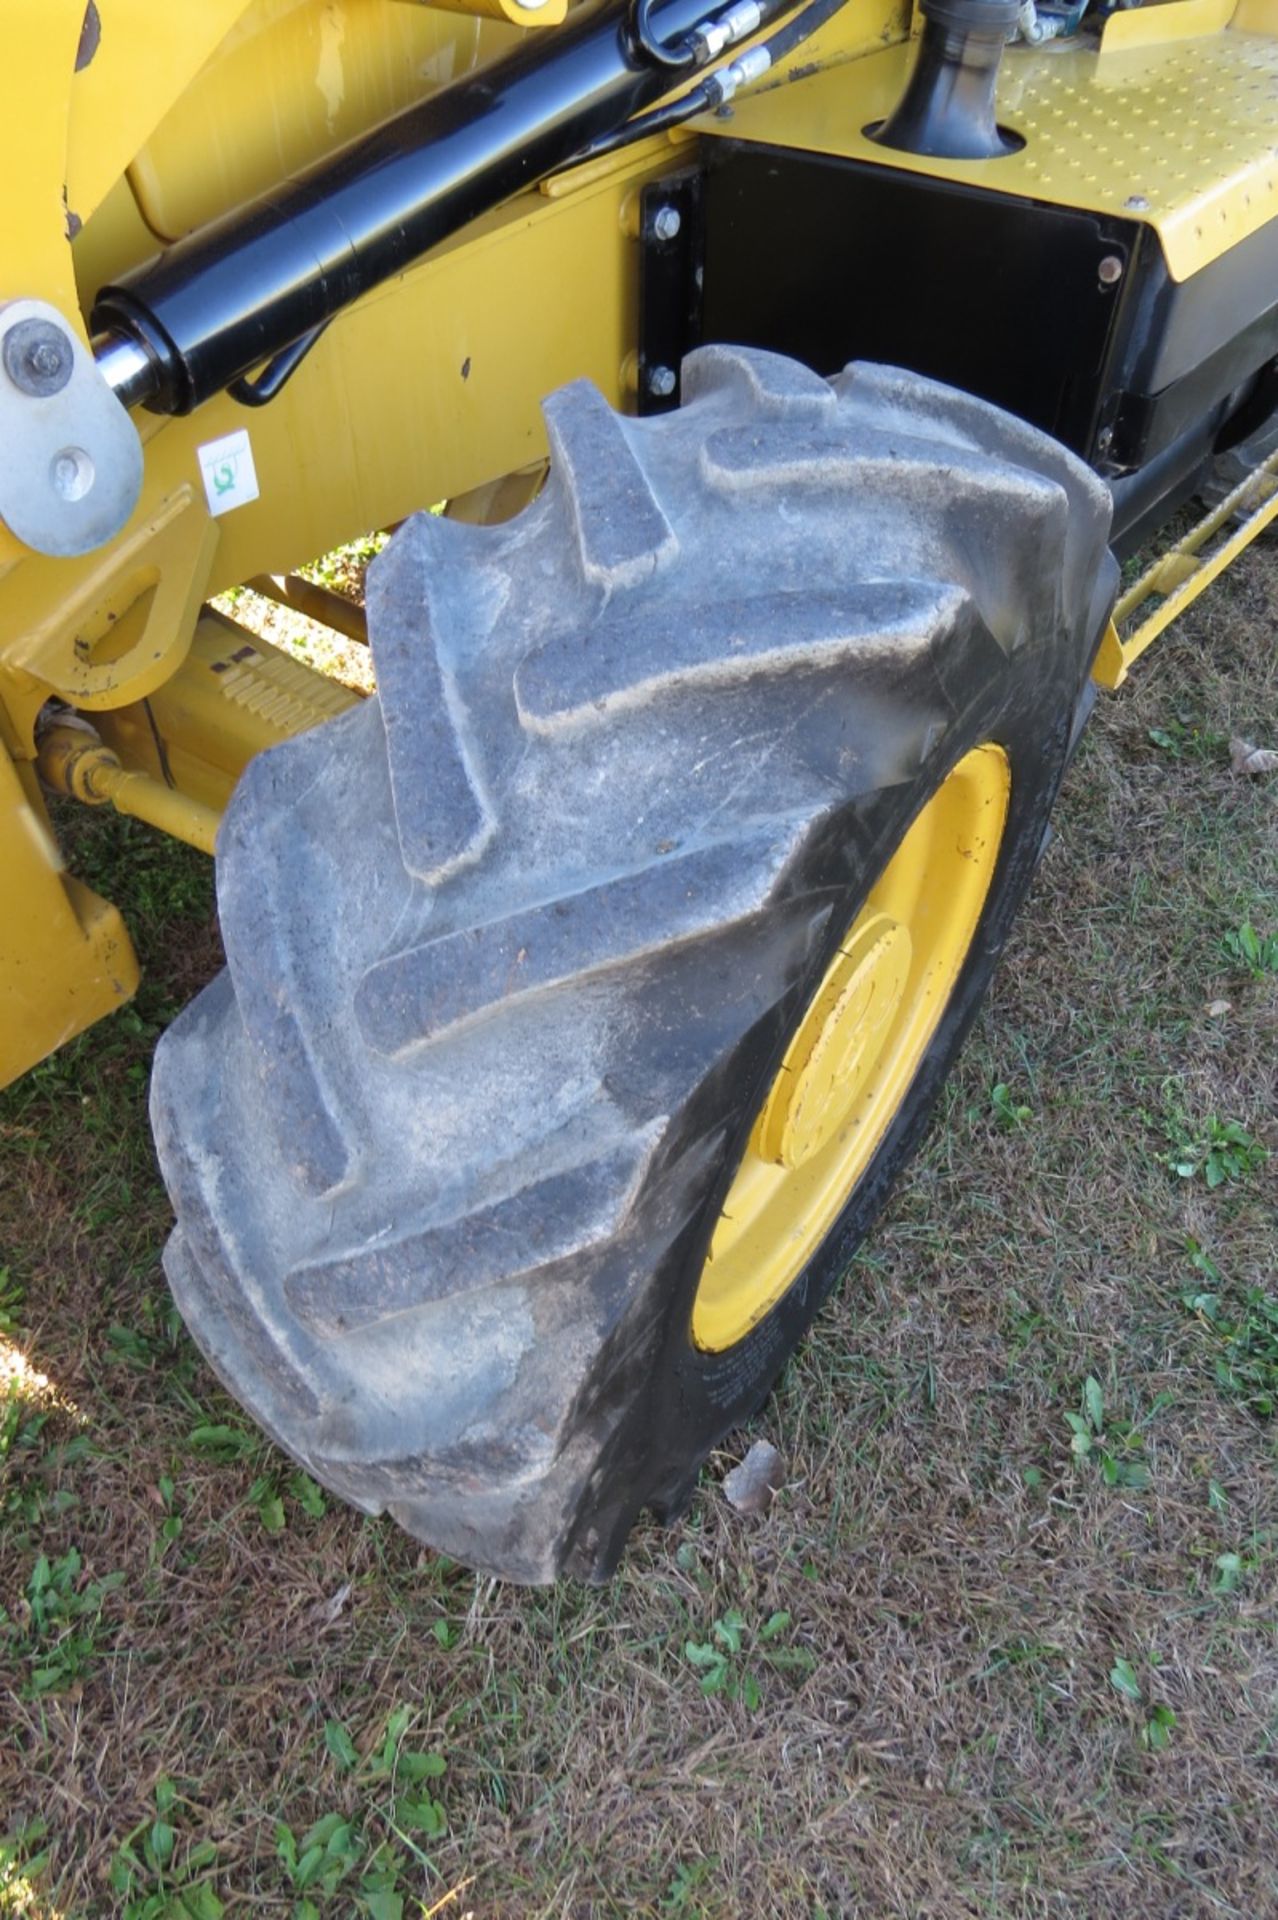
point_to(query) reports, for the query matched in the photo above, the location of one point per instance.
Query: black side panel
(1069, 319)
(833, 260)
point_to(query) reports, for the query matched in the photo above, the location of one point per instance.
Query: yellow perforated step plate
(1179, 132)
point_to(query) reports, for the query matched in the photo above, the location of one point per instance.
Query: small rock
(1245, 758)
(751, 1486)
(326, 1613)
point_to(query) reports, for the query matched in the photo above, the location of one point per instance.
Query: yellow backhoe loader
(795, 377)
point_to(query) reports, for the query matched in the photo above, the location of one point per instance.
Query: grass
(1006, 1643)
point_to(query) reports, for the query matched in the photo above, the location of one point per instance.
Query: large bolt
(661, 382)
(38, 358)
(666, 223)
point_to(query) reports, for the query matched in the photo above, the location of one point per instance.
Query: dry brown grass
(943, 1738)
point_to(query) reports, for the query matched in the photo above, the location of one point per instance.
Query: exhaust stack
(947, 109)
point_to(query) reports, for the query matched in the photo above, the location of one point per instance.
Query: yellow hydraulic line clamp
(72, 760)
(1178, 576)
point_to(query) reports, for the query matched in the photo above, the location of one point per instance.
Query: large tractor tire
(587, 989)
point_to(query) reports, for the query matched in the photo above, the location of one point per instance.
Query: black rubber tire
(514, 950)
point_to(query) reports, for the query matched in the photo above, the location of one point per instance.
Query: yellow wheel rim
(856, 1051)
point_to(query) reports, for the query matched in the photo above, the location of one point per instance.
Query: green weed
(219, 1440)
(1245, 1338)
(23, 1859)
(687, 1877)
(341, 1851)
(1256, 953)
(1182, 739)
(327, 1853)
(156, 1877)
(309, 1496)
(324, 1859)
(1219, 1150)
(1009, 1113)
(1108, 1441)
(58, 1635)
(1159, 1719)
(11, 1298)
(723, 1662)
(1231, 1571)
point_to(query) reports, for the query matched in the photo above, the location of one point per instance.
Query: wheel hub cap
(835, 1052)
(856, 1051)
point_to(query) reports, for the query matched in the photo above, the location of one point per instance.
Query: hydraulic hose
(718, 87)
(658, 52)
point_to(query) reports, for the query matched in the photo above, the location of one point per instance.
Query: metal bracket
(70, 457)
(671, 242)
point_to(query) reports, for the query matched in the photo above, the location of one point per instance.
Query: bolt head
(666, 223)
(38, 358)
(72, 474)
(661, 382)
(1110, 270)
(1137, 202)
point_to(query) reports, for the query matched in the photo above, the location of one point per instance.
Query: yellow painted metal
(65, 957)
(294, 81)
(1177, 577)
(856, 1051)
(501, 499)
(40, 44)
(114, 625)
(233, 697)
(493, 321)
(143, 59)
(428, 389)
(474, 336)
(75, 762)
(520, 13)
(206, 114)
(114, 234)
(1155, 26)
(1184, 126)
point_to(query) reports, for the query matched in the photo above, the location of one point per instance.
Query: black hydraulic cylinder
(238, 292)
